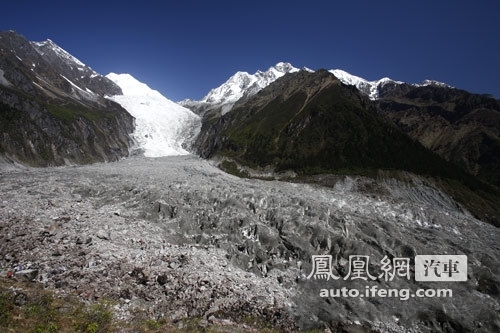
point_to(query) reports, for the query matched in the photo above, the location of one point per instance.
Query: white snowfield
(162, 126)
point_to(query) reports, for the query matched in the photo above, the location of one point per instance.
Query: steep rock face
(53, 109)
(71, 68)
(41, 135)
(461, 127)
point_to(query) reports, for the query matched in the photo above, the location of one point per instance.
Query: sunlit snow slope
(162, 126)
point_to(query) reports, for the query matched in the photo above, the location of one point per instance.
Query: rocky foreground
(177, 238)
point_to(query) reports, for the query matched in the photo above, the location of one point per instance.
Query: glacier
(163, 127)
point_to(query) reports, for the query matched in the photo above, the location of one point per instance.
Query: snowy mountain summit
(86, 84)
(244, 85)
(373, 88)
(162, 126)
(48, 46)
(241, 84)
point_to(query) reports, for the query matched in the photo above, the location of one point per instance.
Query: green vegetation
(27, 307)
(9, 123)
(232, 168)
(70, 112)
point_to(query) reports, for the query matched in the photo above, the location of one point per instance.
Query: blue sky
(183, 49)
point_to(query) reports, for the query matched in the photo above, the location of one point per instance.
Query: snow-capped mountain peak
(367, 87)
(63, 54)
(282, 68)
(435, 83)
(162, 126)
(86, 84)
(373, 88)
(243, 83)
(348, 78)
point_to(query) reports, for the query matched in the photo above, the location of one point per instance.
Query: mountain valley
(210, 211)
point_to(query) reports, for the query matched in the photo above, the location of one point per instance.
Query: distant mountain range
(245, 85)
(240, 85)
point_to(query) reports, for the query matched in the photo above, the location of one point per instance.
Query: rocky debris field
(177, 238)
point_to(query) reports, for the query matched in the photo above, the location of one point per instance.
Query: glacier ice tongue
(162, 126)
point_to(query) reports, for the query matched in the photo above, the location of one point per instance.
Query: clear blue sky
(185, 48)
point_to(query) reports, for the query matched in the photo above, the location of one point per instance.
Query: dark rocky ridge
(81, 75)
(461, 127)
(48, 120)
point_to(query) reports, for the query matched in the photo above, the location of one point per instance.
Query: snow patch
(434, 83)
(72, 84)
(3, 80)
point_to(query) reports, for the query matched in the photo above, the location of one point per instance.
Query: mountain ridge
(48, 115)
(242, 84)
(239, 85)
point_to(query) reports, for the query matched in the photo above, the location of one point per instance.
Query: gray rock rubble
(177, 238)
